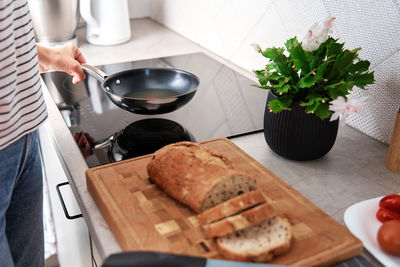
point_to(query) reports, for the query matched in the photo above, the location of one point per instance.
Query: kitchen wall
(229, 27)
(139, 8)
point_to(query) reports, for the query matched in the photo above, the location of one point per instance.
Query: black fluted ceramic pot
(296, 135)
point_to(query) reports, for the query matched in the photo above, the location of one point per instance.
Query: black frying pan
(147, 90)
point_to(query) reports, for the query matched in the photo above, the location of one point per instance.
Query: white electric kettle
(107, 21)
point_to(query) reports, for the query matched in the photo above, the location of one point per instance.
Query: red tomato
(391, 202)
(389, 237)
(384, 215)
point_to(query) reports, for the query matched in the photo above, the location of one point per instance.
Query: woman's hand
(66, 58)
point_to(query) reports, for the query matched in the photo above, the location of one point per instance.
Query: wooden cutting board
(143, 218)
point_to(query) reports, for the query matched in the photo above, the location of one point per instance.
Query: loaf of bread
(259, 242)
(232, 207)
(240, 221)
(196, 176)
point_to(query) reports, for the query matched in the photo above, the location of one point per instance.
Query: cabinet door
(72, 237)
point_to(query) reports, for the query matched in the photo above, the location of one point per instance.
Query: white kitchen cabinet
(72, 237)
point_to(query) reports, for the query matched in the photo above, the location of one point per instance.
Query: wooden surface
(143, 218)
(393, 156)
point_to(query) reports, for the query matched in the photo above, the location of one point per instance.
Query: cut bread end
(230, 187)
(259, 242)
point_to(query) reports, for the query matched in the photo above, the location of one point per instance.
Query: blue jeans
(21, 204)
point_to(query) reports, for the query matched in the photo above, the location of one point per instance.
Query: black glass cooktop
(226, 104)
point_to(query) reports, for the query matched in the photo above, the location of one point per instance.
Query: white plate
(361, 220)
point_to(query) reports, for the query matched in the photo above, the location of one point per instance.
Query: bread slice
(231, 207)
(259, 242)
(240, 221)
(196, 176)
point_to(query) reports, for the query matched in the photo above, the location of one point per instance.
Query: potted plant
(309, 84)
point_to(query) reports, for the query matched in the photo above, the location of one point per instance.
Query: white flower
(317, 35)
(257, 47)
(342, 109)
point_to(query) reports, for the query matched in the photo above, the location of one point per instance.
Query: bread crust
(257, 256)
(187, 171)
(231, 207)
(240, 221)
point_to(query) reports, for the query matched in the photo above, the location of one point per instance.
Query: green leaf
(320, 72)
(279, 85)
(283, 89)
(283, 81)
(263, 81)
(275, 105)
(362, 80)
(334, 49)
(360, 66)
(314, 59)
(341, 64)
(298, 55)
(291, 42)
(321, 51)
(319, 55)
(318, 107)
(282, 63)
(340, 89)
(312, 98)
(286, 101)
(311, 106)
(307, 81)
(273, 52)
(314, 77)
(271, 67)
(263, 86)
(344, 61)
(323, 111)
(273, 76)
(259, 73)
(280, 103)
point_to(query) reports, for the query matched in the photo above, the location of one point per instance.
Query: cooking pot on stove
(147, 90)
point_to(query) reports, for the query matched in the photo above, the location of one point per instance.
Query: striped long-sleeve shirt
(22, 106)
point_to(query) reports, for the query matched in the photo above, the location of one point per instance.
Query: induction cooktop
(226, 104)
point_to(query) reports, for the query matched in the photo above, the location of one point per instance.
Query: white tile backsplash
(236, 110)
(234, 22)
(383, 101)
(268, 32)
(229, 27)
(297, 16)
(372, 25)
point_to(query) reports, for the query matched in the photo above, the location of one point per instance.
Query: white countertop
(354, 170)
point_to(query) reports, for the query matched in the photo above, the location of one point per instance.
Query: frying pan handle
(94, 72)
(104, 143)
